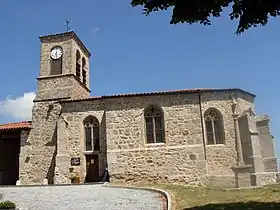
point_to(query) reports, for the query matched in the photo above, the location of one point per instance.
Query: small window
(91, 126)
(154, 125)
(214, 127)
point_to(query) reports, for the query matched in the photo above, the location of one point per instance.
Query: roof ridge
(16, 125)
(194, 90)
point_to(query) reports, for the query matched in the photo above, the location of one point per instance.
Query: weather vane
(67, 25)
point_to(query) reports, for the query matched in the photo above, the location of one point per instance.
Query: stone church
(193, 137)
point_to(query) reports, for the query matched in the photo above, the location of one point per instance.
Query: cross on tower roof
(67, 26)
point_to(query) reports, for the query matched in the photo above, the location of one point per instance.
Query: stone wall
(166, 164)
(180, 159)
(266, 143)
(245, 136)
(265, 178)
(220, 158)
(38, 152)
(71, 139)
(60, 87)
(125, 120)
(266, 139)
(128, 155)
(254, 154)
(67, 46)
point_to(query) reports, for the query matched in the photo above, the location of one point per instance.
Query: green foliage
(7, 205)
(75, 179)
(249, 13)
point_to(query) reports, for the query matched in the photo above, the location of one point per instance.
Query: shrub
(7, 205)
(75, 179)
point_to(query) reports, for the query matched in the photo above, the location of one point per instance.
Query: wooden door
(92, 168)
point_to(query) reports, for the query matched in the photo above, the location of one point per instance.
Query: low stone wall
(266, 178)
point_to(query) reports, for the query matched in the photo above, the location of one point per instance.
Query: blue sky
(134, 53)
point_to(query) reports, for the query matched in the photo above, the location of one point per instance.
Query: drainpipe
(202, 127)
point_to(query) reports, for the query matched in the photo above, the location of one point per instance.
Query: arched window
(91, 126)
(154, 125)
(84, 72)
(214, 127)
(78, 65)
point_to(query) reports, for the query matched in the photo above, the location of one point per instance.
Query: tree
(249, 13)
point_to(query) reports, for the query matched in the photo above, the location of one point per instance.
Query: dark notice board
(76, 161)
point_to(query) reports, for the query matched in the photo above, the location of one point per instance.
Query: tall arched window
(78, 65)
(214, 127)
(84, 72)
(154, 125)
(91, 125)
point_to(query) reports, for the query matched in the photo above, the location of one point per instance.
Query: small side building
(10, 143)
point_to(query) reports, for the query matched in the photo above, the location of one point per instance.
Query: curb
(162, 192)
(50, 185)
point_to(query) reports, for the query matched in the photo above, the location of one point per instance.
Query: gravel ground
(94, 197)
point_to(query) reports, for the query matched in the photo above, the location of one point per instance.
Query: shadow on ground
(238, 206)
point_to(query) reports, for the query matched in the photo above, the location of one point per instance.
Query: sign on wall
(76, 161)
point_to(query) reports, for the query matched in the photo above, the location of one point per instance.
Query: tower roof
(70, 34)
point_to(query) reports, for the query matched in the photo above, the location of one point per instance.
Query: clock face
(56, 53)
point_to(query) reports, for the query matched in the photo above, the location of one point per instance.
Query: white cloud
(19, 108)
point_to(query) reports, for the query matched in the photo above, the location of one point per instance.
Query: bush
(75, 180)
(7, 205)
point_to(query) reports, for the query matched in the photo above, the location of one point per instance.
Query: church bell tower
(64, 68)
(64, 74)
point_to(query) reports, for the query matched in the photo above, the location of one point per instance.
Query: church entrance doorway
(9, 157)
(92, 163)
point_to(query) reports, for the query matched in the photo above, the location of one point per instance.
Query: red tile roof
(201, 90)
(16, 126)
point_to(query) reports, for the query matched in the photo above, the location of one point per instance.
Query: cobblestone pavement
(94, 197)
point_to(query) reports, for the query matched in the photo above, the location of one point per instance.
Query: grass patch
(202, 198)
